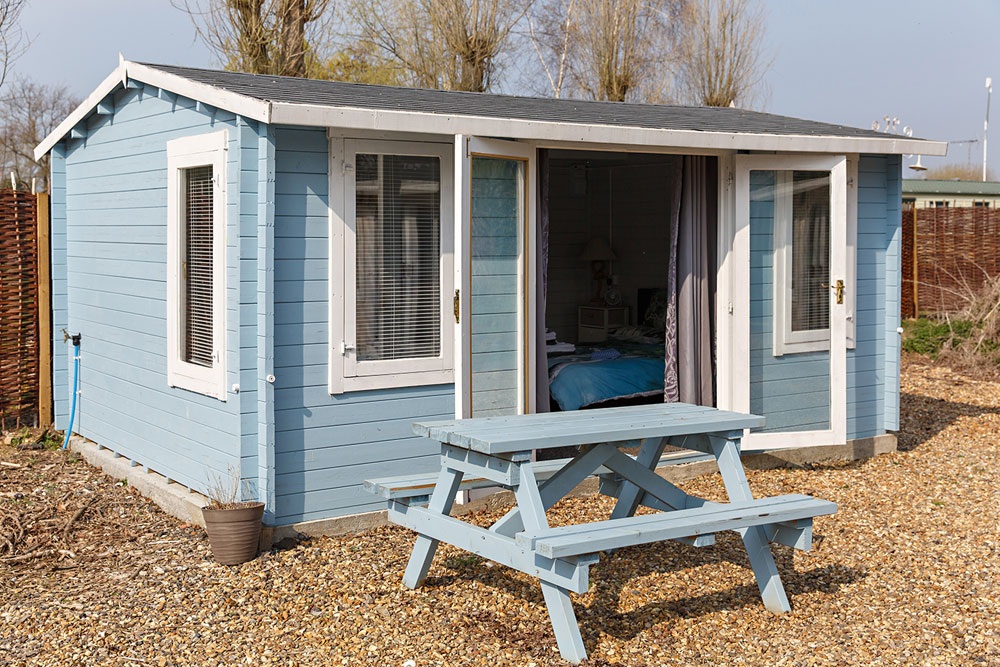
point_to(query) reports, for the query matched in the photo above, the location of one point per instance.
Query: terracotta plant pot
(234, 533)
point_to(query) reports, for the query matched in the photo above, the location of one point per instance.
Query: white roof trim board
(387, 110)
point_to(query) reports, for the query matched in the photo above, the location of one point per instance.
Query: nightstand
(594, 322)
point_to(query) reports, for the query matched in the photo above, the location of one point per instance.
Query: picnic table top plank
(498, 435)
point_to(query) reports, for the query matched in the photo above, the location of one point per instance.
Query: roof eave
(435, 123)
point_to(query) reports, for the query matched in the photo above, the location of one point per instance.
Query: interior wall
(625, 199)
(569, 282)
(640, 209)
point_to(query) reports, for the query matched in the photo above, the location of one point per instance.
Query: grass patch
(928, 336)
(968, 340)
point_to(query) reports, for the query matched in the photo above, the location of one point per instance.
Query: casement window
(392, 304)
(196, 263)
(801, 262)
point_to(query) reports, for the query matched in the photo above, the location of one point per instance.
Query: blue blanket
(575, 383)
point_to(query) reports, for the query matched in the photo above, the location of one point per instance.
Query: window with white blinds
(196, 271)
(398, 256)
(810, 250)
(391, 307)
(801, 261)
(197, 266)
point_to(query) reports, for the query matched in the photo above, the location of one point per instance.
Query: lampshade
(598, 249)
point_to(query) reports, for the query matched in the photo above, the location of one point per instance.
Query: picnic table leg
(772, 592)
(630, 494)
(423, 550)
(557, 600)
(554, 489)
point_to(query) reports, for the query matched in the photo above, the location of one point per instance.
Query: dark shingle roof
(653, 116)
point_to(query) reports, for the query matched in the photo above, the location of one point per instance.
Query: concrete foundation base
(186, 505)
(172, 498)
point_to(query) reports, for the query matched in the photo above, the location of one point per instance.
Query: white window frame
(184, 153)
(785, 340)
(347, 373)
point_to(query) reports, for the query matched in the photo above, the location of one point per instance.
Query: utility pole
(986, 123)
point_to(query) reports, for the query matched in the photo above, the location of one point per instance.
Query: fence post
(916, 265)
(44, 312)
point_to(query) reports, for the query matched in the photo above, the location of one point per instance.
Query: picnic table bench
(497, 451)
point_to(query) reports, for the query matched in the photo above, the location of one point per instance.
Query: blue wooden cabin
(279, 276)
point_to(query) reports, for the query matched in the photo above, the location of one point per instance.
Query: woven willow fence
(947, 253)
(19, 367)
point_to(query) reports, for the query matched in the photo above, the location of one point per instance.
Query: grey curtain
(541, 285)
(671, 389)
(689, 375)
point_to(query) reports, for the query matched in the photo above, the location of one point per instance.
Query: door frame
(466, 147)
(734, 381)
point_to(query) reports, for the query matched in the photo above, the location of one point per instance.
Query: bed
(628, 367)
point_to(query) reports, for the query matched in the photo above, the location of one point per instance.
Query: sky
(845, 61)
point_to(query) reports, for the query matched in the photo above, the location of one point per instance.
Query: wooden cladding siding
(61, 391)
(867, 386)
(109, 283)
(326, 445)
(793, 391)
(494, 212)
(893, 285)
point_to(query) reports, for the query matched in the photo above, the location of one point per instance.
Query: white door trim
(739, 331)
(465, 148)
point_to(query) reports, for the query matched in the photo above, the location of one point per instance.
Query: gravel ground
(907, 572)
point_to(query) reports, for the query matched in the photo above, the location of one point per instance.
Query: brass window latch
(457, 303)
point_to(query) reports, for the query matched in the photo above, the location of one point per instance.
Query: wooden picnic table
(497, 451)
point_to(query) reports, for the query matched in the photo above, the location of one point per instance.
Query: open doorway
(627, 294)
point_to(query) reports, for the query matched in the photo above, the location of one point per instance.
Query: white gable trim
(112, 81)
(355, 118)
(247, 107)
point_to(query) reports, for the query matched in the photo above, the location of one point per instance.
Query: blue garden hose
(76, 383)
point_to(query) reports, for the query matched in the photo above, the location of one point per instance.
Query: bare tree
(262, 36)
(723, 57)
(613, 50)
(361, 62)
(550, 35)
(449, 44)
(12, 39)
(30, 111)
